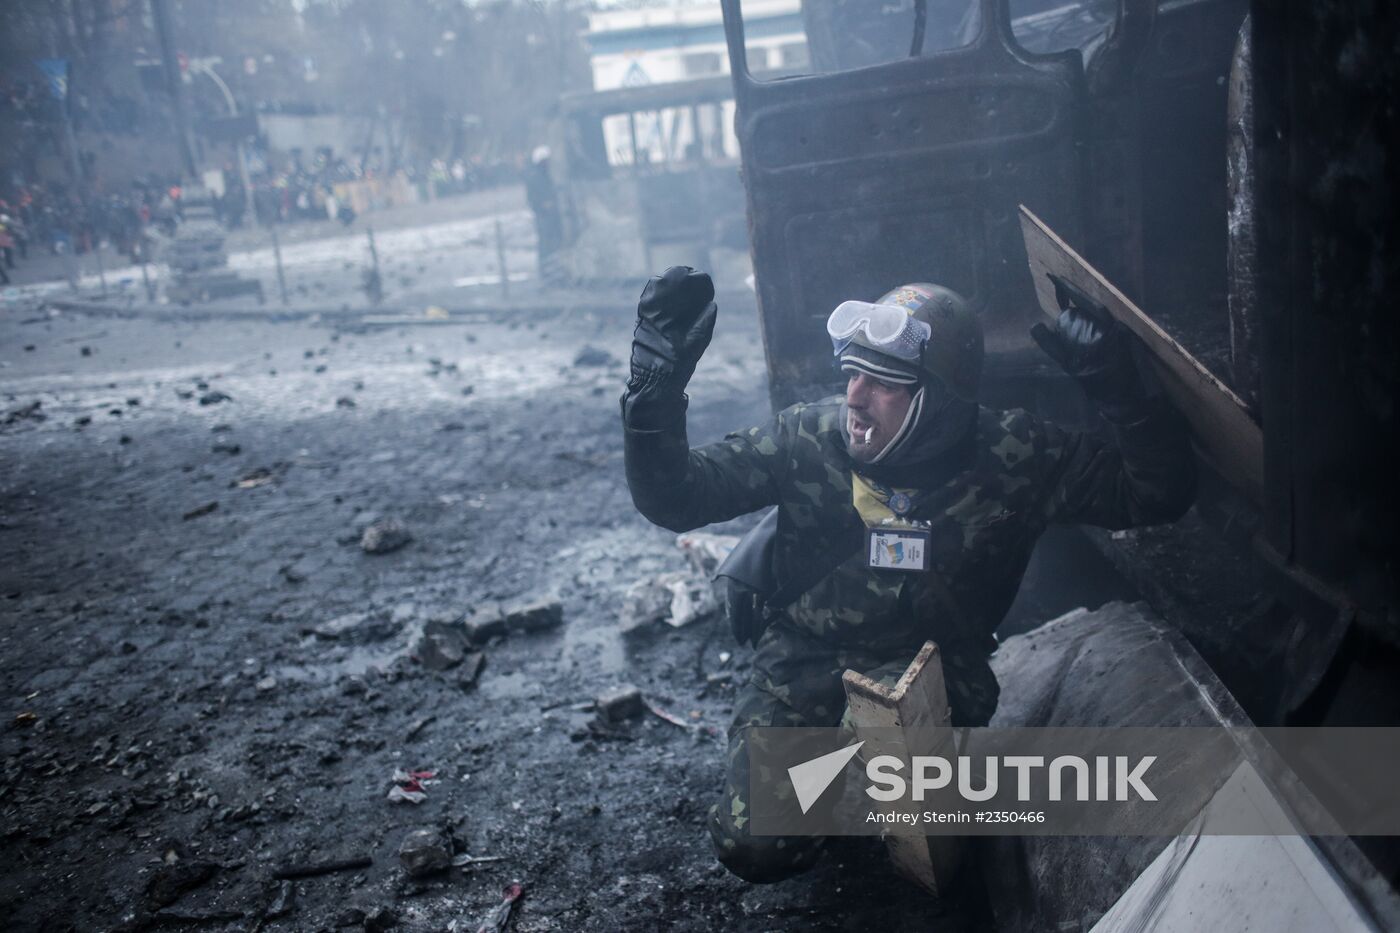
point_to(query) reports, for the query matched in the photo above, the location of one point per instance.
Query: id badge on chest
(898, 545)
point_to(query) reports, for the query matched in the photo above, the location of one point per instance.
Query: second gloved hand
(1096, 350)
(675, 321)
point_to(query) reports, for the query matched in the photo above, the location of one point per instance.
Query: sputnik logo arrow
(811, 778)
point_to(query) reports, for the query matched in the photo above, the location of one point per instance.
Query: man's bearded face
(875, 411)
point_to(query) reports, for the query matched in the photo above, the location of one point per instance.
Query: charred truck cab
(649, 175)
(1229, 168)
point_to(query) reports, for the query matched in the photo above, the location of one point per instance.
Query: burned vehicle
(1209, 160)
(646, 176)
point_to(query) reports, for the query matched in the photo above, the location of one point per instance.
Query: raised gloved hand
(675, 320)
(1096, 350)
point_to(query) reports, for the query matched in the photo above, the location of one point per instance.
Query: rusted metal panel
(1242, 260)
(907, 171)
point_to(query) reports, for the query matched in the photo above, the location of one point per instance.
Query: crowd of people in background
(306, 190)
(37, 218)
(53, 218)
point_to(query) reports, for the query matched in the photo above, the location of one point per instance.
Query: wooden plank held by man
(912, 718)
(1222, 430)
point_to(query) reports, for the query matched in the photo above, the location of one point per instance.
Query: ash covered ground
(207, 681)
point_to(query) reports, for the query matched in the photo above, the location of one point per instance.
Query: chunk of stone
(380, 919)
(619, 704)
(594, 356)
(173, 880)
(442, 646)
(487, 622)
(470, 671)
(425, 852)
(385, 535)
(535, 617)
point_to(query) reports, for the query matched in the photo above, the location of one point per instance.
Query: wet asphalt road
(166, 702)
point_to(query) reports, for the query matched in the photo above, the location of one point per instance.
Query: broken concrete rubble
(174, 879)
(442, 646)
(619, 704)
(470, 671)
(493, 620)
(594, 356)
(384, 536)
(380, 919)
(425, 852)
(485, 623)
(535, 617)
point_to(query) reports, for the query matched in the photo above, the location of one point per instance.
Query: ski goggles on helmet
(887, 329)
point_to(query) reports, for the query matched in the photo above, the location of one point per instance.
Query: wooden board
(1224, 433)
(917, 706)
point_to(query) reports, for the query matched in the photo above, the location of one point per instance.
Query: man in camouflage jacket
(987, 483)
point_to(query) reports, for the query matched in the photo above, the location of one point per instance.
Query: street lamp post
(205, 66)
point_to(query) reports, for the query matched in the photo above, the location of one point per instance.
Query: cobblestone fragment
(442, 646)
(619, 704)
(385, 535)
(425, 852)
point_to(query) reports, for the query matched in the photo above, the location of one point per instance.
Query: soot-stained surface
(176, 729)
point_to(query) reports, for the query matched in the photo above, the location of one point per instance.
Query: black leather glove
(675, 320)
(1097, 350)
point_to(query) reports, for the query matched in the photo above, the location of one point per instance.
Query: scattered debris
(706, 551)
(282, 902)
(189, 917)
(361, 627)
(660, 713)
(419, 725)
(385, 535)
(28, 412)
(442, 646)
(214, 397)
(425, 852)
(204, 509)
(314, 869)
(487, 622)
(85, 351)
(535, 617)
(676, 598)
(345, 401)
(174, 879)
(26, 718)
(470, 671)
(349, 917)
(464, 860)
(262, 476)
(593, 356)
(410, 786)
(619, 704)
(226, 447)
(499, 918)
(380, 919)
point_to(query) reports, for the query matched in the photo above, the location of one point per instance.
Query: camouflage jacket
(1021, 474)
